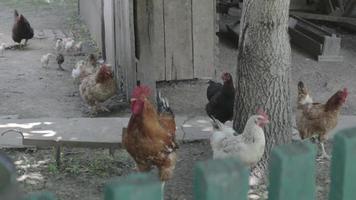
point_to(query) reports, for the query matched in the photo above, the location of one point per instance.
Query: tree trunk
(263, 71)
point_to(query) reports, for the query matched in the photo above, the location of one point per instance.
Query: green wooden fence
(292, 176)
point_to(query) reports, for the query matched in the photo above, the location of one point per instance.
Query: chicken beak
(266, 121)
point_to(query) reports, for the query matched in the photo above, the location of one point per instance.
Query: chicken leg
(324, 154)
(162, 187)
(60, 67)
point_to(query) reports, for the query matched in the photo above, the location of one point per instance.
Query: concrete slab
(104, 132)
(87, 132)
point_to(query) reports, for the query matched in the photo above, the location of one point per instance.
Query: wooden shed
(154, 40)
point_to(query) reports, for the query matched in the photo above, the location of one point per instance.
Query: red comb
(262, 113)
(345, 93)
(140, 91)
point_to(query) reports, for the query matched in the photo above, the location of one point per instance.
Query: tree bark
(263, 71)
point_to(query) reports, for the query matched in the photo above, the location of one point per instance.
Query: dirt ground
(30, 91)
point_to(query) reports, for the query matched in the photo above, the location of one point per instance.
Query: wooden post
(220, 179)
(40, 196)
(134, 187)
(58, 155)
(343, 166)
(292, 172)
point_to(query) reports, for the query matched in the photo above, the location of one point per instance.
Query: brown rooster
(150, 136)
(97, 88)
(316, 118)
(21, 29)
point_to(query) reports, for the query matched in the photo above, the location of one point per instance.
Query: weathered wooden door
(125, 65)
(175, 39)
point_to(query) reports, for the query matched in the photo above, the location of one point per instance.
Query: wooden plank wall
(178, 40)
(175, 39)
(154, 40)
(91, 12)
(205, 42)
(125, 68)
(109, 31)
(150, 41)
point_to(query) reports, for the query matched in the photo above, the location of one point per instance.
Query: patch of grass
(52, 168)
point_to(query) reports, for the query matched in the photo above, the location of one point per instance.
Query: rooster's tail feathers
(163, 104)
(16, 14)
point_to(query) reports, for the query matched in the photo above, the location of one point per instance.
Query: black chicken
(60, 61)
(221, 99)
(21, 29)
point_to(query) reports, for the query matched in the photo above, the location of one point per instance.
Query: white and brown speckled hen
(97, 88)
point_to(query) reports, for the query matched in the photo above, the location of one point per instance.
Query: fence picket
(291, 176)
(292, 172)
(41, 196)
(134, 187)
(220, 179)
(343, 166)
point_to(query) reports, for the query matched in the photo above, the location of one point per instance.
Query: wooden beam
(324, 17)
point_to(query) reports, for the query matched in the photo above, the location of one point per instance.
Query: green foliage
(52, 168)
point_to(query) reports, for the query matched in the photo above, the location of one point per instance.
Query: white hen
(248, 146)
(68, 44)
(59, 45)
(78, 47)
(2, 49)
(76, 70)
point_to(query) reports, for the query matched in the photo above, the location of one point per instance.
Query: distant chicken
(59, 45)
(97, 88)
(248, 146)
(221, 99)
(45, 59)
(68, 44)
(60, 61)
(84, 68)
(316, 118)
(150, 135)
(77, 70)
(2, 49)
(78, 47)
(22, 29)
